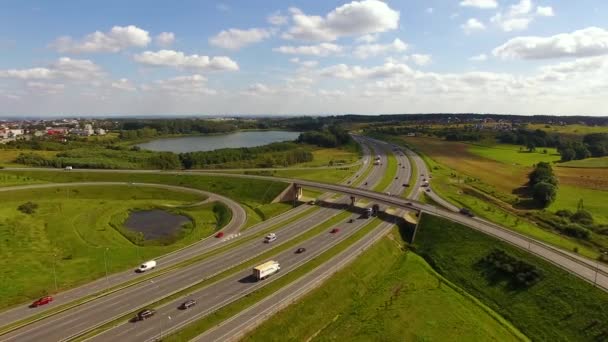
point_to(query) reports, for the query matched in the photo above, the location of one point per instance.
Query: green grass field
(7, 179)
(8, 156)
(330, 156)
(570, 129)
(71, 233)
(321, 175)
(401, 301)
(511, 154)
(589, 162)
(559, 307)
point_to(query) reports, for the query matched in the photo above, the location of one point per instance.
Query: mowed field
(505, 168)
(386, 295)
(70, 235)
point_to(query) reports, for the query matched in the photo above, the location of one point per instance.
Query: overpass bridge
(589, 270)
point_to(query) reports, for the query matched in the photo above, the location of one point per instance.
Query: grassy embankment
(559, 307)
(255, 195)
(402, 300)
(601, 162)
(486, 186)
(71, 232)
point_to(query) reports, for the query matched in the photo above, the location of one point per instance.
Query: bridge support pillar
(352, 200)
(292, 193)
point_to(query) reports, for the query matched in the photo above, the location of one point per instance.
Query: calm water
(155, 224)
(214, 142)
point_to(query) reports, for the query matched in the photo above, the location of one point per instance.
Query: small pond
(155, 224)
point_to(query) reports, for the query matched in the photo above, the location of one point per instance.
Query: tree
(568, 154)
(531, 146)
(544, 193)
(166, 161)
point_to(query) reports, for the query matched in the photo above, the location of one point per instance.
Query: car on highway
(335, 230)
(146, 266)
(219, 235)
(187, 304)
(405, 185)
(350, 220)
(466, 212)
(270, 237)
(408, 203)
(428, 190)
(42, 301)
(311, 202)
(145, 314)
(365, 183)
(397, 177)
(300, 250)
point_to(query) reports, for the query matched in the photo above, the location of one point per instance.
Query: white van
(146, 266)
(270, 237)
(68, 168)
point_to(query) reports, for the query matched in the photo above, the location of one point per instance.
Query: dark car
(187, 304)
(408, 203)
(42, 301)
(219, 235)
(300, 250)
(466, 212)
(145, 314)
(365, 183)
(397, 177)
(428, 190)
(350, 220)
(335, 230)
(405, 185)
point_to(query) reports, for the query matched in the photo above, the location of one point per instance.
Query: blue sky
(303, 57)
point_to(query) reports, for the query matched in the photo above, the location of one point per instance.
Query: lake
(214, 142)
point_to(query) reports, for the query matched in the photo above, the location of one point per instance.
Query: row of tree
(543, 183)
(592, 145)
(518, 272)
(332, 136)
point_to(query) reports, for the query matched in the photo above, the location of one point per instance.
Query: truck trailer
(266, 269)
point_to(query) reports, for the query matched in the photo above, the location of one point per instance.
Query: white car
(270, 237)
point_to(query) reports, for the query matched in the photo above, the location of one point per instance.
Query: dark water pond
(156, 223)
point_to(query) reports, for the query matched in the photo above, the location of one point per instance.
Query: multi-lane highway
(79, 320)
(95, 312)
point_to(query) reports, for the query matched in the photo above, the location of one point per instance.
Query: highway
(51, 323)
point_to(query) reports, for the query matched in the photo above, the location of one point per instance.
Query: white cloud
(331, 93)
(235, 39)
(545, 11)
(177, 59)
(430, 10)
(370, 50)
(421, 60)
(520, 16)
(305, 64)
(592, 41)
(259, 89)
(479, 58)
(165, 39)
(277, 19)
(65, 68)
(355, 72)
(473, 25)
(368, 38)
(117, 39)
(321, 50)
(49, 88)
(484, 4)
(352, 19)
(182, 86)
(123, 84)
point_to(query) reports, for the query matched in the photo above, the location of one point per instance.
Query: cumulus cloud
(344, 71)
(49, 88)
(352, 19)
(473, 25)
(483, 4)
(123, 84)
(545, 11)
(235, 39)
(165, 39)
(371, 50)
(64, 68)
(321, 50)
(368, 38)
(519, 16)
(592, 41)
(117, 39)
(182, 86)
(177, 59)
(305, 64)
(277, 19)
(421, 60)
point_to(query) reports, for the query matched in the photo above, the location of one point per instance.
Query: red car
(219, 235)
(335, 230)
(42, 301)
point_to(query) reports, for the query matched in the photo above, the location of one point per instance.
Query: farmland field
(570, 129)
(403, 300)
(71, 232)
(589, 162)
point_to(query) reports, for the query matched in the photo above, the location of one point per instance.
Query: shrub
(500, 265)
(28, 208)
(564, 213)
(544, 193)
(582, 216)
